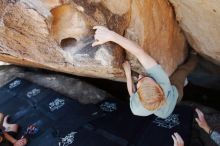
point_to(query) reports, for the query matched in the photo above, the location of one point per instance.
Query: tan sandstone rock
(27, 37)
(57, 35)
(154, 28)
(200, 20)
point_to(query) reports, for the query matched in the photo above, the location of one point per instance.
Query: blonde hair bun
(151, 95)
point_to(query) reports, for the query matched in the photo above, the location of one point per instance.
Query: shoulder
(158, 74)
(161, 77)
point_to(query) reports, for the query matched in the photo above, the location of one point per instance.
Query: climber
(154, 93)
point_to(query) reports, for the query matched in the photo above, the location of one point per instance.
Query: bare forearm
(126, 44)
(129, 84)
(103, 35)
(127, 69)
(146, 60)
(9, 138)
(207, 129)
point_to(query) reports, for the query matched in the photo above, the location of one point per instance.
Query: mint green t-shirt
(170, 92)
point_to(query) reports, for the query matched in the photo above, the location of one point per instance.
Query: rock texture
(57, 35)
(200, 21)
(206, 74)
(154, 28)
(31, 35)
(70, 86)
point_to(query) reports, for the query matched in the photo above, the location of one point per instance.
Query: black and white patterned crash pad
(62, 121)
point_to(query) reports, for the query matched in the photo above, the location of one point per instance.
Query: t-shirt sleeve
(215, 136)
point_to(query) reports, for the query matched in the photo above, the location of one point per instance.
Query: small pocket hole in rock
(67, 43)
